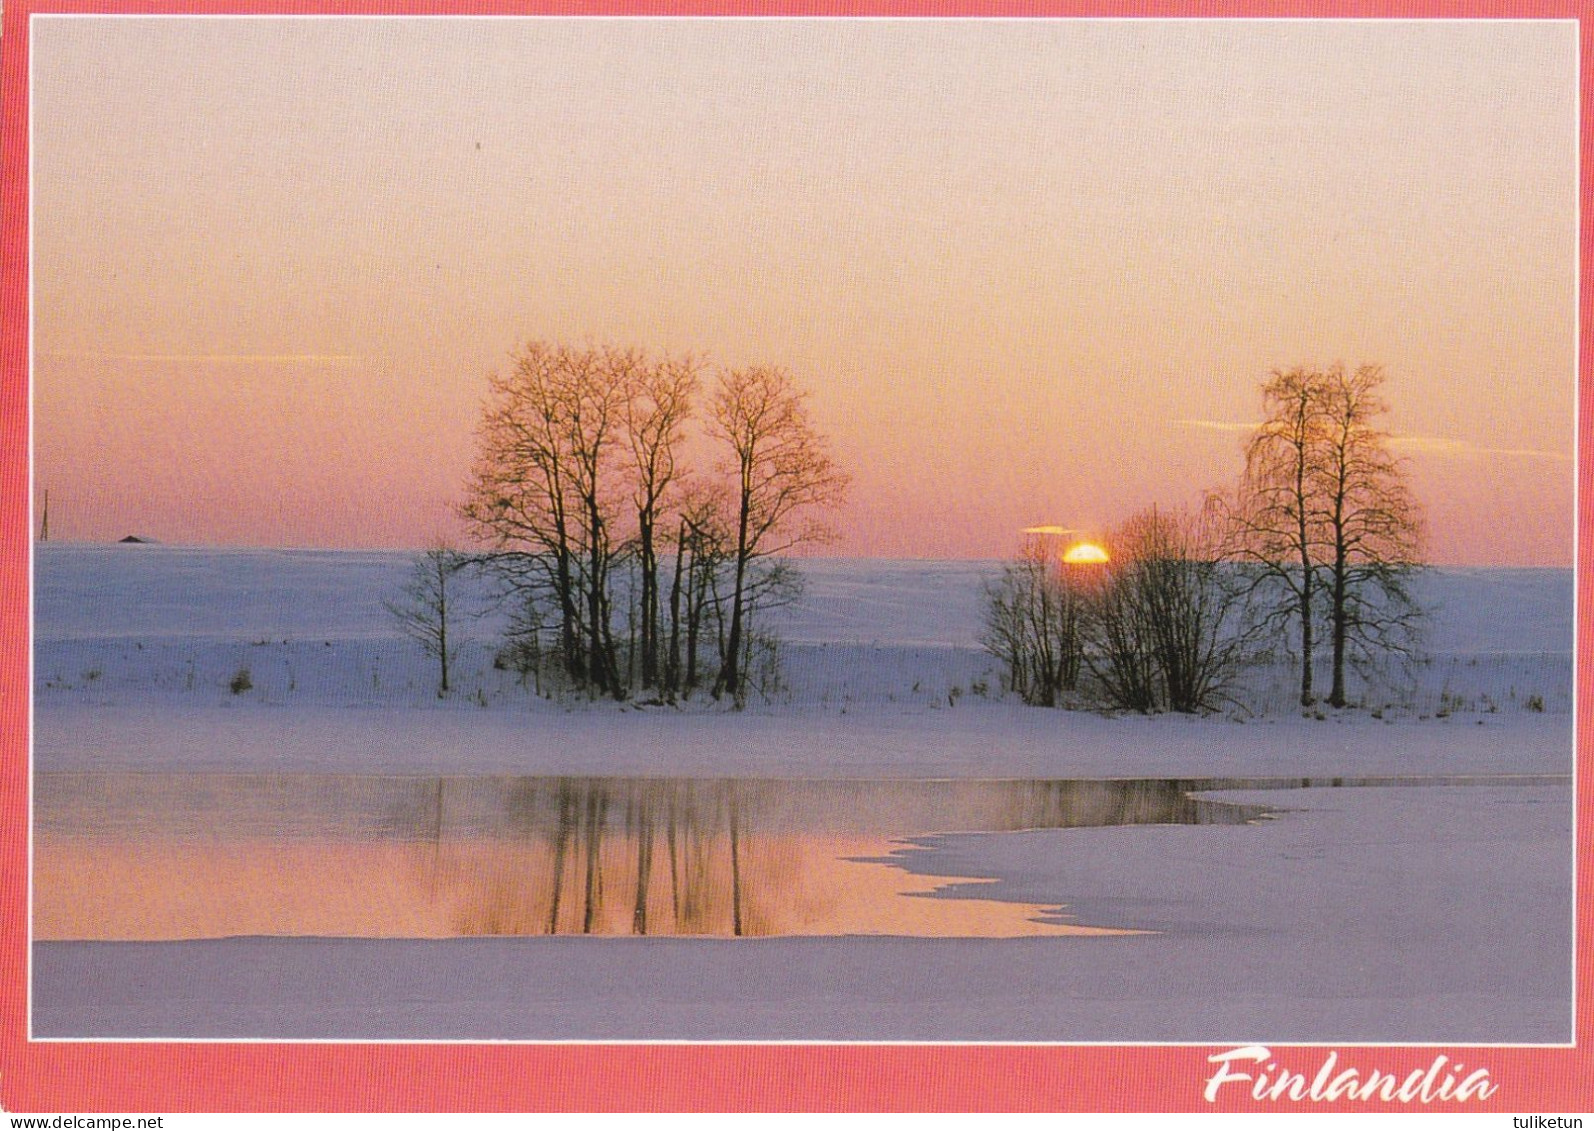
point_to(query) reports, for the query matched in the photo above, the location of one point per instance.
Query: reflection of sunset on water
(152, 856)
(788, 886)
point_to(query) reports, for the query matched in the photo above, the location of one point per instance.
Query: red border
(64, 1077)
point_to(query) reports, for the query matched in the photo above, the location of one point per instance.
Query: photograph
(746, 541)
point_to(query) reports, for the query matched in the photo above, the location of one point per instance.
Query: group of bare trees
(1152, 626)
(1324, 521)
(1033, 624)
(1321, 534)
(624, 567)
(627, 569)
(1168, 632)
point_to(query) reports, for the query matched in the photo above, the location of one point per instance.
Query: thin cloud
(1438, 445)
(1050, 530)
(1424, 445)
(217, 358)
(1217, 425)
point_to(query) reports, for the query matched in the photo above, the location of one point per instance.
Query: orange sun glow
(1084, 553)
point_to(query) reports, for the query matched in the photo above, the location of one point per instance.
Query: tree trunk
(1336, 694)
(696, 598)
(597, 665)
(1307, 698)
(442, 644)
(568, 642)
(672, 673)
(730, 674)
(631, 616)
(1303, 544)
(730, 677)
(611, 654)
(650, 600)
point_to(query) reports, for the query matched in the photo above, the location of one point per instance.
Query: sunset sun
(1084, 553)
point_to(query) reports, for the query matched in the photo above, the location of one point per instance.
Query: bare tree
(1033, 616)
(770, 583)
(547, 488)
(598, 397)
(521, 498)
(525, 648)
(1323, 514)
(781, 475)
(656, 413)
(1276, 517)
(703, 550)
(1168, 631)
(1121, 649)
(1374, 527)
(425, 605)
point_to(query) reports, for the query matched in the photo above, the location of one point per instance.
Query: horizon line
(246, 547)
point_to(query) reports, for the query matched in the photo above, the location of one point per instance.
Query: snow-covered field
(881, 672)
(1435, 913)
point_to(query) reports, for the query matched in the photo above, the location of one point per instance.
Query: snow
(995, 740)
(1439, 913)
(112, 591)
(881, 673)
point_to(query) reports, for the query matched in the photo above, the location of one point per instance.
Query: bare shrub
(1166, 631)
(1033, 616)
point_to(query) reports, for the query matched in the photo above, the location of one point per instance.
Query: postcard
(882, 559)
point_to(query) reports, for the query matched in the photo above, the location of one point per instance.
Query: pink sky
(1031, 271)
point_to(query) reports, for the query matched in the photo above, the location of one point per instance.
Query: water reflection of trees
(441, 856)
(581, 855)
